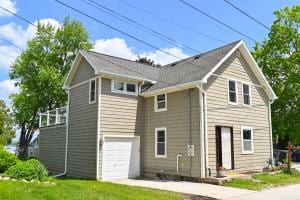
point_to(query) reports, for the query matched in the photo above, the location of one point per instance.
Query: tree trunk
(25, 138)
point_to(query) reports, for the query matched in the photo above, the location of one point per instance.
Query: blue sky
(111, 42)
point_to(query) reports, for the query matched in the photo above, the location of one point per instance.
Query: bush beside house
(31, 169)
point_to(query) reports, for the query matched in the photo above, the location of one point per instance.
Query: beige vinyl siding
(52, 147)
(82, 126)
(84, 72)
(220, 113)
(121, 114)
(176, 121)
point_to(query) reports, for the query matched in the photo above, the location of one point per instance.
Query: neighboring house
(184, 119)
(33, 147)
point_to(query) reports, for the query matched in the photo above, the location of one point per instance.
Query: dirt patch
(196, 197)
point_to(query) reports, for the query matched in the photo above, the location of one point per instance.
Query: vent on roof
(173, 64)
(196, 57)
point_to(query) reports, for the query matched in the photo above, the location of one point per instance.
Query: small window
(161, 142)
(160, 102)
(232, 92)
(92, 94)
(123, 87)
(247, 140)
(246, 95)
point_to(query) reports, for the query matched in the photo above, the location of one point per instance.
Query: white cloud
(7, 87)
(19, 36)
(9, 5)
(118, 47)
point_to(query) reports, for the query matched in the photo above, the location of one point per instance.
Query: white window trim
(236, 92)
(242, 139)
(156, 109)
(156, 130)
(250, 94)
(125, 86)
(90, 82)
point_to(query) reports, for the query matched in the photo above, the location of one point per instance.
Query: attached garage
(121, 157)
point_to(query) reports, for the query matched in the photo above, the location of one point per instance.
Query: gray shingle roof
(191, 69)
(121, 66)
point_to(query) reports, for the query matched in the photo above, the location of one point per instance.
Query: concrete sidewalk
(202, 189)
(291, 192)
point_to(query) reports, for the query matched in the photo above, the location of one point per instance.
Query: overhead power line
(215, 19)
(186, 28)
(248, 15)
(9, 42)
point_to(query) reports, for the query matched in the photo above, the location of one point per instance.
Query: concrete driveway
(202, 189)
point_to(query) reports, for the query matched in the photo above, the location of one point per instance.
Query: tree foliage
(6, 124)
(147, 61)
(279, 58)
(40, 72)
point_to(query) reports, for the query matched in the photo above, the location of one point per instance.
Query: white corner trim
(236, 92)
(252, 140)
(270, 131)
(98, 126)
(201, 136)
(156, 109)
(95, 98)
(156, 130)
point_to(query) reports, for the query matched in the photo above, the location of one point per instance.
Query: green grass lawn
(264, 180)
(74, 189)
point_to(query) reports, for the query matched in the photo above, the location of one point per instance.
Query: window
(246, 94)
(232, 92)
(161, 142)
(92, 92)
(247, 140)
(123, 87)
(160, 102)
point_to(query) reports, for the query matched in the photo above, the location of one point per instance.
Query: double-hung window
(247, 139)
(246, 94)
(92, 91)
(160, 103)
(161, 142)
(123, 87)
(232, 92)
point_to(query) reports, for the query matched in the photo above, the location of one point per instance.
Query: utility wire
(186, 28)
(151, 78)
(134, 22)
(18, 47)
(219, 21)
(248, 15)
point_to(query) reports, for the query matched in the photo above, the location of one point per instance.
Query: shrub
(293, 171)
(29, 170)
(6, 160)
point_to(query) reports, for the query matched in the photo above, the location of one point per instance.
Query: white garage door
(121, 158)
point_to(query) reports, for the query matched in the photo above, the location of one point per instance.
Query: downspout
(67, 137)
(270, 131)
(190, 129)
(201, 136)
(98, 128)
(207, 169)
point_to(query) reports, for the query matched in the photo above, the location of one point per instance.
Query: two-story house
(185, 119)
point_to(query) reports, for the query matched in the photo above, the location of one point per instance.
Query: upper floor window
(247, 140)
(160, 103)
(161, 142)
(232, 92)
(92, 91)
(246, 94)
(123, 87)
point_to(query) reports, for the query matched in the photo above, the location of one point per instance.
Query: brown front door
(224, 147)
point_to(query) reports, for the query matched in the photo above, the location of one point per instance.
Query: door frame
(121, 136)
(219, 160)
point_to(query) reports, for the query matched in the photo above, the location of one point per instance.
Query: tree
(147, 61)
(279, 58)
(40, 72)
(6, 124)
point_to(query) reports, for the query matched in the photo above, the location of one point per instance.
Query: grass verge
(264, 180)
(73, 189)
